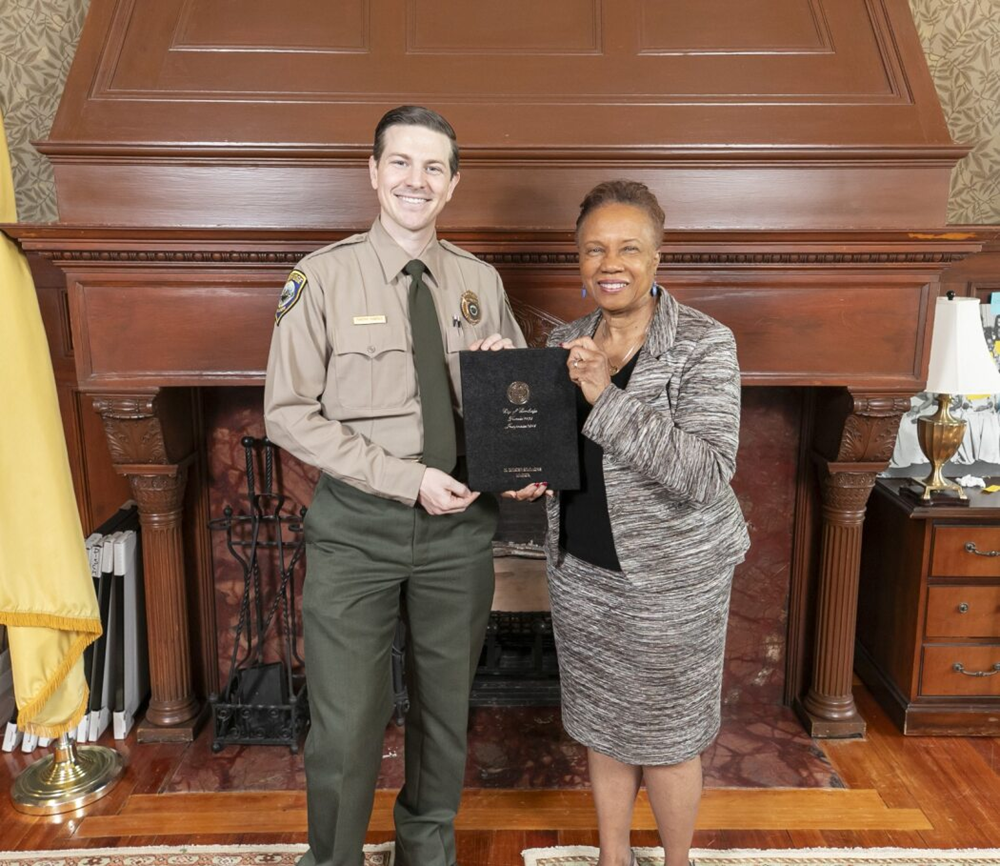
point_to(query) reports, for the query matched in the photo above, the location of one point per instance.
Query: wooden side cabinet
(928, 638)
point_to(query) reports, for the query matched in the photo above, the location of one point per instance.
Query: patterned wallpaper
(961, 39)
(37, 41)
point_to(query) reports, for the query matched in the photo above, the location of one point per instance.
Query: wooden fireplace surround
(155, 313)
(797, 146)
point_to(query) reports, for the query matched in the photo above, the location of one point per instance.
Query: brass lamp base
(940, 435)
(67, 780)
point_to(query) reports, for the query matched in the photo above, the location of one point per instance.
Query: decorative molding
(125, 407)
(529, 257)
(535, 324)
(810, 258)
(133, 431)
(160, 498)
(880, 405)
(173, 257)
(137, 441)
(522, 258)
(870, 431)
(868, 440)
(845, 495)
(146, 428)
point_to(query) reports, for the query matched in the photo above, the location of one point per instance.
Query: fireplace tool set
(264, 699)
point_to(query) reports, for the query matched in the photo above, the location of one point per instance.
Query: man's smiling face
(413, 179)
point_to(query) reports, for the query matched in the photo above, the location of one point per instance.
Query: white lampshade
(961, 362)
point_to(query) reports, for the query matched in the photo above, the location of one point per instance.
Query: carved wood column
(150, 441)
(859, 431)
(829, 700)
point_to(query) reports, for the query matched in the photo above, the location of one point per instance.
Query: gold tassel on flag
(47, 599)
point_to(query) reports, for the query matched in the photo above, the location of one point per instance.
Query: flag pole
(69, 779)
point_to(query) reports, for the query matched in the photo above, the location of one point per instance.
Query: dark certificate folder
(520, 419)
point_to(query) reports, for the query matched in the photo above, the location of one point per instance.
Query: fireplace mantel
(801, 157)
(156, 312)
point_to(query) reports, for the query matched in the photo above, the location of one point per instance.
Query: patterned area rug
(182, 855)
(583, 856)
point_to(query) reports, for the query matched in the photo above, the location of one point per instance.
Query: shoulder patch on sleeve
(290, 294)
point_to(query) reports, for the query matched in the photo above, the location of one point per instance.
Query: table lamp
(961, 363)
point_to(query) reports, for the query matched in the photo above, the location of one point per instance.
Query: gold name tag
(369, 320)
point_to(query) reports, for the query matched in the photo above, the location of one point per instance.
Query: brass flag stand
(68, 779)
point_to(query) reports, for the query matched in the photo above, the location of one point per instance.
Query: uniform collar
(393, 258)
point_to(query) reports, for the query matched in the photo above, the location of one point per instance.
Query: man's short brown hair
(416, 115)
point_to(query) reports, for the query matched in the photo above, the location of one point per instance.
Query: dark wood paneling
(99, 490)
(799, 113)
(805, 558)
(165, 330)
(326, 193)
(724, 27)
(818, 330)
(557, 27)
(106, 490)
(574, 52)
(170, 308)
(789, 328)
(890, 592)
(260, 26)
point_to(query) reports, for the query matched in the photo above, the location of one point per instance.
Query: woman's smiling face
(619, 253)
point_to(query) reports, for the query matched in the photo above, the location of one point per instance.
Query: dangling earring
(583, 291)
(654, 290)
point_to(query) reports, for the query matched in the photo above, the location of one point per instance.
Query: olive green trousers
(365, 554)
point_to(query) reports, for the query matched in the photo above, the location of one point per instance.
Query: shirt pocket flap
(370, 340)
(374, 368)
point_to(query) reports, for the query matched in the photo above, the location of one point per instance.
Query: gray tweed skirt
(640, 658)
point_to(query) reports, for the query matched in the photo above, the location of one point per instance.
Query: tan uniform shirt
(341, 390)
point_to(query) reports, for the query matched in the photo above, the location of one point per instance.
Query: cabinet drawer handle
(958, 668)
(970, 547)
(963, 607)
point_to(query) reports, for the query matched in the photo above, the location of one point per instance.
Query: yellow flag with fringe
(47, 599)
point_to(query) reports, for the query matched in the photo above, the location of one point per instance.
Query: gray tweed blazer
(669, 443)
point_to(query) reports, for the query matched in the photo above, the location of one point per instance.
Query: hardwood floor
(902, 791)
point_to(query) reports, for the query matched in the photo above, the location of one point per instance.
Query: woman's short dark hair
(415, 115)
(630, 192)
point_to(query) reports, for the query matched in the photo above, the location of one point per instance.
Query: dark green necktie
(432, 373)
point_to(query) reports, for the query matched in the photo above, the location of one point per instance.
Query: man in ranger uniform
(363, 382)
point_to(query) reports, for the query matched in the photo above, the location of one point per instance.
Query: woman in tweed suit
(641, 559)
